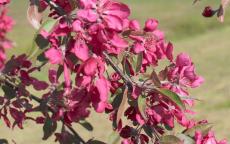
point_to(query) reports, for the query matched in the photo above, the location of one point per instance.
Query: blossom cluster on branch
(6, 24)
(109, 63)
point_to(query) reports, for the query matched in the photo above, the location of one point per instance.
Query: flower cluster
(66, 5)
(6, 24)
(209, 138)
(102, 27)
(4, 2)
(99, 59)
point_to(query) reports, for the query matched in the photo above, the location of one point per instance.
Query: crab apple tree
(101, 60)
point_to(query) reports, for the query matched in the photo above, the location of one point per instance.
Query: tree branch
(117, 69)
(56, 7)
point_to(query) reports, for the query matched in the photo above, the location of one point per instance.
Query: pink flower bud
(151, 25)
(134, 25)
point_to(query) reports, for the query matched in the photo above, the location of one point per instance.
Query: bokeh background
(205, 39)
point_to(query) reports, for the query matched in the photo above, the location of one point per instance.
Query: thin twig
(117, 69)
(156, 133)
(56, 7)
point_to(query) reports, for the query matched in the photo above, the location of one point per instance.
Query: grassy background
(206, 40)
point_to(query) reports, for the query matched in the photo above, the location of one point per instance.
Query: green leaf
(86, 125)
(167, 127)
(142, 105)
(186, 139)
(41, 58)
(139, 62)
(49, 128)
(170, 139)
(155, 79)
(126, 67)
(112, 97)
(39, 43)
(10, 93)
(172, 96)
(204, 128)
(60, 71)
(123, 104)
(148, 130)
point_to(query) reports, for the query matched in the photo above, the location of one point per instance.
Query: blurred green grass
(206, 40)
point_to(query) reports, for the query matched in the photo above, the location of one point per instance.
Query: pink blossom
(6, 24)
(3, 2)
(110, 13)
(207, 139)
(134, 25)
(54, 56)
(80, 49)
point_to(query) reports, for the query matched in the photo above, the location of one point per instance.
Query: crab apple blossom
(99, 59)
(3, 2)
(6, 24)
(207, 139)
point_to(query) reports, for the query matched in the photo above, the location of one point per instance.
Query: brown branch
(56, 7)
(117, 69)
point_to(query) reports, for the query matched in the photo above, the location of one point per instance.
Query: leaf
(34, 16)
(120, 57)
(163, 74)
(10, 93)
(41, 58)
(10, 65)
(60, 71)
(148, 130)
(142, 105)
(126, 67)
(3, 141)
(86, 125)
(186, 139)
(155, 78)
(167, 127)
(139, 62)
(170, 139)
(49, 128)
(122, 105)
(204, 128)
(222, 9)
(39, 42)
(172, 96)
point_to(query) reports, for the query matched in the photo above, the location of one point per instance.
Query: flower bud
(151, 25)
(134, 25)
(208, 12)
